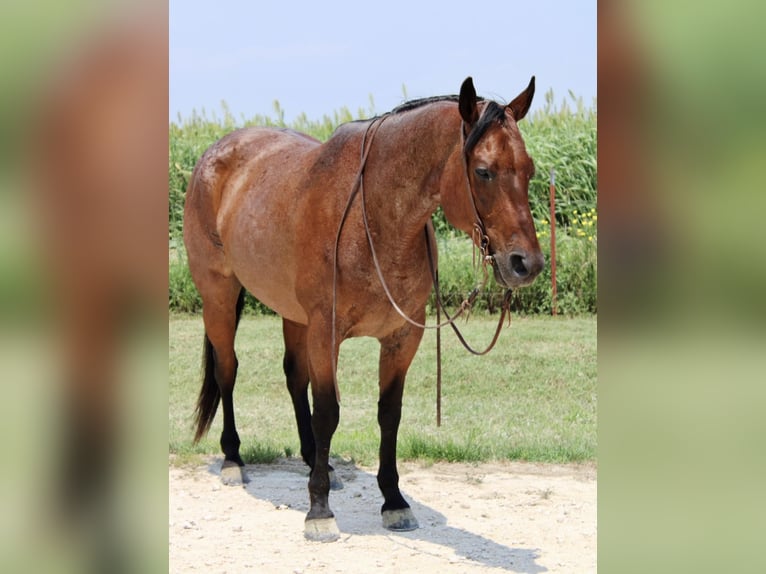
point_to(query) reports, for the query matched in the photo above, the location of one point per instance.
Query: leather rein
(480, 237)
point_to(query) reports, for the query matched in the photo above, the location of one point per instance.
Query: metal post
(553, 241)
(438, 363)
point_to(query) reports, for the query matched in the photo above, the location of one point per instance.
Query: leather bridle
(480, 237)
(480, 240)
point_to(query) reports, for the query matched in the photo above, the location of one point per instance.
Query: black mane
(493, 112)
(420, 102)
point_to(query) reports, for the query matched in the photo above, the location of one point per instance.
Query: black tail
(210, 394)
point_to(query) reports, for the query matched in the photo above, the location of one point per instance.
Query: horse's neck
(404, 174)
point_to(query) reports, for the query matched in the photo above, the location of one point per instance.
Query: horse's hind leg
(297, 373)
(396, 354)
(296, 369)
(223, 299)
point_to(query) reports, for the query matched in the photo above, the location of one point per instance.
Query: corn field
(558, 136)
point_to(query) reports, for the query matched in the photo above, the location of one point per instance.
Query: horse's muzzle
(518, 268)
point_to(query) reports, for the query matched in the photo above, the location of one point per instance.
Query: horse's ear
(467, 103)
(520, 105)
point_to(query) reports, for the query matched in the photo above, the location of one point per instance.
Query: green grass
(532, 398)
(560, 135)
(576, 276)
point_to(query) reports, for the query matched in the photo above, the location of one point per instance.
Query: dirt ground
(513, 517)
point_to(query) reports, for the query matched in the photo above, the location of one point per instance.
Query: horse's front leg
(320, 521)
(396, 354)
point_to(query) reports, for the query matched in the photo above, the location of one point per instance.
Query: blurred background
(83, 286)
(682, 266)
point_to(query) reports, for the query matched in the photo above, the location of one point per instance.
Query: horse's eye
(484, 173)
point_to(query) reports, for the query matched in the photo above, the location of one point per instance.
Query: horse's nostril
(517, 264)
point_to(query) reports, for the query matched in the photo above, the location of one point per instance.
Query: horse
(280, 214)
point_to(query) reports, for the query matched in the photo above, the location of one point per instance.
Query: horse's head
(493, 205)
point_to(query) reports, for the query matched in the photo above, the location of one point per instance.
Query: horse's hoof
(335, 482)
(233, 475)
(400, 520)
(321, 530)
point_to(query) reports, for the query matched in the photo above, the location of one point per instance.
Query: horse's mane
(420, 102)
(493, 112)
(415, 104)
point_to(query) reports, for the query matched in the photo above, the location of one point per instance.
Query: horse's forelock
(493, 113)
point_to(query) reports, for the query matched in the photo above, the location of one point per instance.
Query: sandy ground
(515, 517)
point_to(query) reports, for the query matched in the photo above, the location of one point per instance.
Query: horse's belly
(260, 269)
(260, 258)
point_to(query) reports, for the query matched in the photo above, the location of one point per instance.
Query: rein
(483, 244)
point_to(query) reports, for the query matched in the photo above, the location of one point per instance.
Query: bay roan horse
(272, 211)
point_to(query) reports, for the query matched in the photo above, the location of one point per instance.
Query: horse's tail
(210, 394)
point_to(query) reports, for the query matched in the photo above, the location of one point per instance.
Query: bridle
(480, 240)
(480, 236)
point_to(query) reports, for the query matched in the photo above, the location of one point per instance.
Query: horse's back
(227, 165)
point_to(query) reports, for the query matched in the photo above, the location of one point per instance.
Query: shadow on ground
(357, 512)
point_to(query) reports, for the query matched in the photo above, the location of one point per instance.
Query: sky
(317, 57)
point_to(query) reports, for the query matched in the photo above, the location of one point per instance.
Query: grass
(576, 275)
(560, 135)
(532, 398)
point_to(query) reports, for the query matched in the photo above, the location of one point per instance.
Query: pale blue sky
(316, 57)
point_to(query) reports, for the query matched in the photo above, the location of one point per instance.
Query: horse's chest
(373, 313)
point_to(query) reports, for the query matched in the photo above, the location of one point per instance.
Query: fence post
(553, 241)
